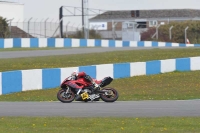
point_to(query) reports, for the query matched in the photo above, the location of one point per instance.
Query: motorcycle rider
(76, 75)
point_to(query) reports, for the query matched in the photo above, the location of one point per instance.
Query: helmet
(74, 75)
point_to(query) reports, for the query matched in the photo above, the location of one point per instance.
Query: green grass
(95, 58)
(99, 125)
(156, 87)
(168, 86)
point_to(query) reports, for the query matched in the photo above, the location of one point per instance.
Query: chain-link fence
(179, 32)
(45, 29)
(30, 29)
(35, 29)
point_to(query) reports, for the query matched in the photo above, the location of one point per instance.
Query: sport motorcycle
(82, 90)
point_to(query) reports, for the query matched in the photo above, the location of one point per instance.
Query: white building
(138, 20)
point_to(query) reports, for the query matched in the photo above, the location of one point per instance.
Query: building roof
(166, 13)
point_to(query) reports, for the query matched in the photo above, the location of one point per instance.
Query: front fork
(67, 90)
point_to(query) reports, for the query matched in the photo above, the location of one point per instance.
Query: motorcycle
(82, 90)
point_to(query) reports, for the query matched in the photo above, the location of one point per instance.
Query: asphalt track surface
(95, 109)
(102, 109)
(70, 51)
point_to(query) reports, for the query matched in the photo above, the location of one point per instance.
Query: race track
(36, 53)
(95, 109)
(101, 109)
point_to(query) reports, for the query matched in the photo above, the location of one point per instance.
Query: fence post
(34, 27)
(45, 28)
(17, 26)
(10, 26)
(57, 24)
(41, 27)
(157, 31)
(57, 28)
(51, 26)
(113, 26)
(23, 26)
(67, 29)
(113, 29)
(186, 34)
(97, 29)
(72, 27)
(170, 32)
(28, 27)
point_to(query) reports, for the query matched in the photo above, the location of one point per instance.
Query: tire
(110, 98)
(65, 98)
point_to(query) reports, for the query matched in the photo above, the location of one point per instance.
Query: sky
(42, 9)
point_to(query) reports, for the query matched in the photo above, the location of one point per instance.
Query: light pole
(83, 16)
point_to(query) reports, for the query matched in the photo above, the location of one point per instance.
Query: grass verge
(99, 125)
(95, 58)
(168, 86)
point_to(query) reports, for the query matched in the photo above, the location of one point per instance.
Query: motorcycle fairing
(73, 85)
(81, 83)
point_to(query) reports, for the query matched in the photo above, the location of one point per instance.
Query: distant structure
(138, 20)
(14, 13)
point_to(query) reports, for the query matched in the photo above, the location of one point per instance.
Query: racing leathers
(87, 78)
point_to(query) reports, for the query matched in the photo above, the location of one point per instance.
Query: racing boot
(96, 87)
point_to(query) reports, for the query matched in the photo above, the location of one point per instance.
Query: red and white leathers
(75, 75)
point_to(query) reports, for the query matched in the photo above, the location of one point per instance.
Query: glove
(73, 77)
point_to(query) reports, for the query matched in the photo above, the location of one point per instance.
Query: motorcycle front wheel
(110, 95)
(65, 97)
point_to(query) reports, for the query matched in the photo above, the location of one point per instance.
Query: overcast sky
(50, 8)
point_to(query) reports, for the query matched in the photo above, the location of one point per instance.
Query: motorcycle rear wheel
(65, 97)
(112, 97)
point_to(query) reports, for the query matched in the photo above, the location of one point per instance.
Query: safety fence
(36, 79)
(68, 42)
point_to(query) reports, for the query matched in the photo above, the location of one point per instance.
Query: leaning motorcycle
(82, 90)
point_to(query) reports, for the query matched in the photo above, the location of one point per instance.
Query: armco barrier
(66, 42)
(17, 81)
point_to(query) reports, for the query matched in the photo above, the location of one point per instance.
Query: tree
(4, 31)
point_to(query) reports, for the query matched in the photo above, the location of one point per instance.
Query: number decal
(85, 95)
